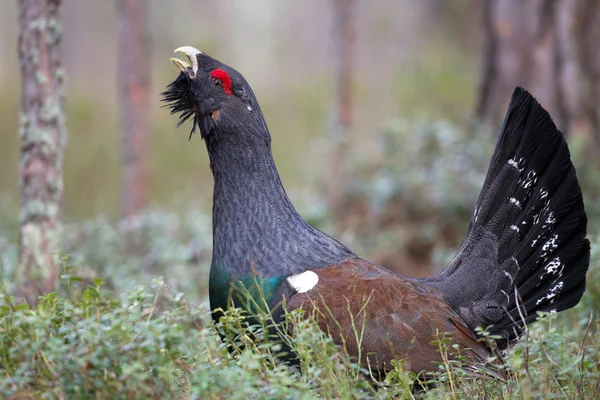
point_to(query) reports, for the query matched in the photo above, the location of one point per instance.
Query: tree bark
(489, 71)
(588, 34)
(43, 137)
(343, 41)
(531, 44)
(134, 61)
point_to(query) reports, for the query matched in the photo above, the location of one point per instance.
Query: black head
(217, 97)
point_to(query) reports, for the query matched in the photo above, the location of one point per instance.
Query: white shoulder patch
(303, 282)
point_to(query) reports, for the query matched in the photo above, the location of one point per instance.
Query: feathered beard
(179, 99)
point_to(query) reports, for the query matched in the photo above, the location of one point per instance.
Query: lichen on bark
(42, 134)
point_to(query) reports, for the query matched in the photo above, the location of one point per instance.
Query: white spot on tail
(517, 163)
(553, 267)
(514, 228)
(530, 179)
(551, 218)
(548, 247)
(552, 293)
(303, 282)
(249, 108)
(515, 202)
(551, 244)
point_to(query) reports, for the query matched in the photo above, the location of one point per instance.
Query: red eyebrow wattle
(224, 77)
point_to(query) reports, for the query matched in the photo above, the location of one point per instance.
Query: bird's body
(393, 317)
(525, 250)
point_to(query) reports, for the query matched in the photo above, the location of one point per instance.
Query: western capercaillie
(525, 250)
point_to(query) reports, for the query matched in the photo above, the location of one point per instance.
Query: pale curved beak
(191, 53)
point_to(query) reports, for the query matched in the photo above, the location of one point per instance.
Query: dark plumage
(527, 232)
(525, 250)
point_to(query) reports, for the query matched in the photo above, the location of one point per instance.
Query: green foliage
(155, 243)
(93, 344)
(591, 299)
(432, 165)
(421, 192)
(88, 343)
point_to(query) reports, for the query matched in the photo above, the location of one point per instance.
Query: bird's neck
(256, 229)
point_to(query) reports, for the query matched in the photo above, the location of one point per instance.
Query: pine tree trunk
(343, 40)
(530, 44)
(43, 137)
(134, 83)
(588, 33)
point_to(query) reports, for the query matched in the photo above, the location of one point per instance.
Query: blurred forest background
(400, 102)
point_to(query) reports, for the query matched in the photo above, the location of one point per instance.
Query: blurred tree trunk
(43, 137)
(588, 35)
(134, 61)
(531, 44)
(343, 41)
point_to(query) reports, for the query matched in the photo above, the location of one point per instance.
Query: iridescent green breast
(251, 293)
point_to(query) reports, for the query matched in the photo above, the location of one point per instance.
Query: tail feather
(525, 250)
(552, 255)
(535, 290)
(564, 294)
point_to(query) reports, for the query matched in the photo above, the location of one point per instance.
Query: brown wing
(387, 316)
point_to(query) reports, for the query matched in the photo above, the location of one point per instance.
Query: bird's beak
(190, 68)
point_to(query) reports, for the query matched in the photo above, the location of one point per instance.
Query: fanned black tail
(525, 250)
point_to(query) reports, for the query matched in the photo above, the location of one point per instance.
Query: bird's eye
(221, 80)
